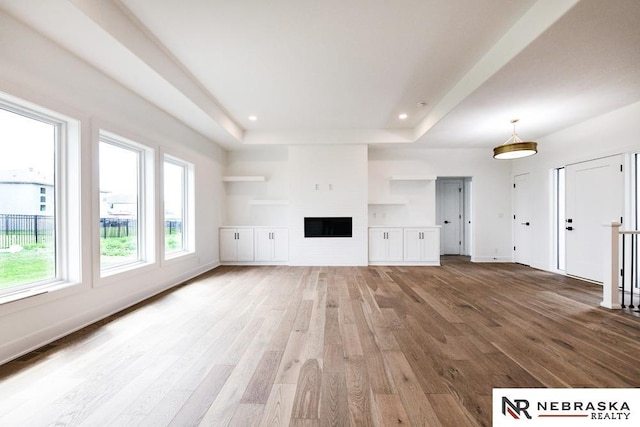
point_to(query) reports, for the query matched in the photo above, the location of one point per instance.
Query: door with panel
(522, 227)
(594, 196)
(450, 211)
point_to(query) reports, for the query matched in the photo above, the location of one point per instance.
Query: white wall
(328, 180)
(293, 176)
(40, 72)
(270, 162)
(614, 133)
(491, 195)
(418, 198)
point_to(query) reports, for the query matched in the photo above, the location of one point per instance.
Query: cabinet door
(280, 240)
(377, 244)
(228, 244)
(264, 245)
(431, 244)
(245, 244)
(421, 244)
(413, 244)
(394, 244)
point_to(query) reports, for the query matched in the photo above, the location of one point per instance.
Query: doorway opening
(453, 214)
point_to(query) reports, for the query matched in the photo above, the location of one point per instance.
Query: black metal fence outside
(25, 230)
(118, 227)
(125, 227)
(173, 226)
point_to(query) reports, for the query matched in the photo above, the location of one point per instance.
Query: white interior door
(522, 238)
(450, 216)
(594, 197)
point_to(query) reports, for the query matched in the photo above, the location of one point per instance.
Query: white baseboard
(491, 259)
(254, 263)
(406, 264)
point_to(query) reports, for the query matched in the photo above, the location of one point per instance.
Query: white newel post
(610, 292)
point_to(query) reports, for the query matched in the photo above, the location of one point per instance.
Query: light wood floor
(315, 346)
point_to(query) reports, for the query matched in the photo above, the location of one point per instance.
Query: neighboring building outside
(118, 205)
(26, 192)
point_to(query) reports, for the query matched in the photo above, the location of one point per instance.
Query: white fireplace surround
(328, 181)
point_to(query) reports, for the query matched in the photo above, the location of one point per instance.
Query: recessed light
(403, 116)
(253, 118)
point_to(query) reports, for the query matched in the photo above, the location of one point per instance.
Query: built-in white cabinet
(249, 245)
(236, 244)
(422, 245)
(404, 245)
(385, 244)
(271, 244)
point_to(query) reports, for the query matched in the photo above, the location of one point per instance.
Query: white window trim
(188, 222)
(146, 211)
(67, 203)
(555, 220)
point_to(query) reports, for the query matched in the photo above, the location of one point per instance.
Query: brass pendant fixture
(514, 147)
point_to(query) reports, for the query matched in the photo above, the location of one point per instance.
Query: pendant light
(514, 147)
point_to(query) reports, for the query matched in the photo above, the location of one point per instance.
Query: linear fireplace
(328, 227)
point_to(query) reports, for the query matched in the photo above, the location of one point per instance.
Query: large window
(177, 182)
(122, 203)
(39, 215)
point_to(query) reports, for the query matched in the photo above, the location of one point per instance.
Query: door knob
(447, 222)
(526, 223)
(569, 228)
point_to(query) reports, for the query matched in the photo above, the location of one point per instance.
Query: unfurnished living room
(299, 213)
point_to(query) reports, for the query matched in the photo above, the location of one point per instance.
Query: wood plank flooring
(327, 346)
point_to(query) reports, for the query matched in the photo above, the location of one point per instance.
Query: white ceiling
(338, 71)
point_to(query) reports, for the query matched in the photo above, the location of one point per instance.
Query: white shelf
(243, 178)
(389, 202)
(412, 178)
(268, 202)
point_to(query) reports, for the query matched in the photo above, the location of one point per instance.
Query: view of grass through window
(119, 201)
(174, 206)
(27, 201)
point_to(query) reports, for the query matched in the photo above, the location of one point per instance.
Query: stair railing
(620, 269)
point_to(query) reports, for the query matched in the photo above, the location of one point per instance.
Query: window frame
(145, 208)
(188, 208)
(66, 200)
